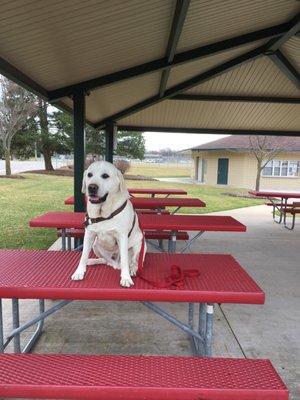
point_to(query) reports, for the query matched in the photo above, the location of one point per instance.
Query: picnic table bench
(106, 377)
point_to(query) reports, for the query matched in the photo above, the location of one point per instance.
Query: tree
(131, 144)
(265, 150)
(16, 107)
(54, 134)
(23, 145)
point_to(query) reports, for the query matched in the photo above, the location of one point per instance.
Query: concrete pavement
(267, 251)
(29, 165)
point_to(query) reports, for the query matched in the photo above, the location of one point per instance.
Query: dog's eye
(105, 176)
(89, 174)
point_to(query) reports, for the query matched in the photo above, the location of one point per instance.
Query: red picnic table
(150, 191)
(38, 274)
(200, 223)
(282, 206)
(157, 203)
(154, 191)
(65, 220)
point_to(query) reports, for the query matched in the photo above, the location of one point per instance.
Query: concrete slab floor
(267, 251)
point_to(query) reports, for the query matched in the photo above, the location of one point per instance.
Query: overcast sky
(176, 141)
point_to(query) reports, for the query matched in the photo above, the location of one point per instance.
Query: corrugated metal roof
(213, 115)
(237, 142)
(60, 42)
(209, 21)
(110, 99)
(256, 78)
(291, 49)
(186, 71)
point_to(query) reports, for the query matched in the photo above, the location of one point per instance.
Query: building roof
(242, 142)
(193, 65)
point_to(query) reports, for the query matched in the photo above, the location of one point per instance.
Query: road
(21, 166)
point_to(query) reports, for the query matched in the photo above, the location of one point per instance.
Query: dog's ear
(122, 185)
(83, 189)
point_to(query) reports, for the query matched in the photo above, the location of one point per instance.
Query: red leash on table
(175, 280)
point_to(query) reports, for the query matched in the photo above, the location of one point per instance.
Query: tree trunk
(258, 172)
(7, 163)
(47, 160)
(45, 135)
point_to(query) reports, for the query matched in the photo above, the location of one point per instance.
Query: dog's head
(101, 180)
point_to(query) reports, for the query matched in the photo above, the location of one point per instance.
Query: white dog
(112, 228)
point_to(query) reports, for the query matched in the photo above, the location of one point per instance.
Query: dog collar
(88, 221)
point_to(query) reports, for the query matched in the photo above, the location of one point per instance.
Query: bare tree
(265, 149)
(16, 106)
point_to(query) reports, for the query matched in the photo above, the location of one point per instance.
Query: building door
(223, 171)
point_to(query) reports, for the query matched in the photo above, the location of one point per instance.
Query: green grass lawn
(22, 199)
(160, 170)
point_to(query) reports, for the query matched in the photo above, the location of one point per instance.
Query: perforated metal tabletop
(47, 274)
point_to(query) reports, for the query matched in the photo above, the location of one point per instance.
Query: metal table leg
(63, 239)
(172, 242)
(16, 324)
(209, 330)
(38, 330)
(191, 241)
(1, 329)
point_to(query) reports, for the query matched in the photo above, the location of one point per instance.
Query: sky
(176, 141)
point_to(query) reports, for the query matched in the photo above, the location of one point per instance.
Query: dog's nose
(93, 188)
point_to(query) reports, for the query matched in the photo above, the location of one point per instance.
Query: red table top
(156, 191)
(59, 220)
(135, 377)
(191, 223)
(157, 202)
(69, 220)
(284, 195)
(47, 274)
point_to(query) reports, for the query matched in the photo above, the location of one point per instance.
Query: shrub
(122, 165)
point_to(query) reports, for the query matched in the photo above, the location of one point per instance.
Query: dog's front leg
(126, 280)
(89, 238)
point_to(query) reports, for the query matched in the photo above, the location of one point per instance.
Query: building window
(281, 168)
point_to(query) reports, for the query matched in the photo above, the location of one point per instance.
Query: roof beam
(15, 75)
(162, 63)
(295, 27)
(248, 99)
(196, 80)
(208, 130)
(285, 67)
(176, 29)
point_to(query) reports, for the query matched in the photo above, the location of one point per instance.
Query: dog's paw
(133, 269)
(126, 281)
(78, 275)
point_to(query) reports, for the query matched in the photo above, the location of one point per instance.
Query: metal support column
(79, 147)
(110, 136)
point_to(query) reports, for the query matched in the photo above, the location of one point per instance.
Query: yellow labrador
(112, 228)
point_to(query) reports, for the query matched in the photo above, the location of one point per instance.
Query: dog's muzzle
(94, 199)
